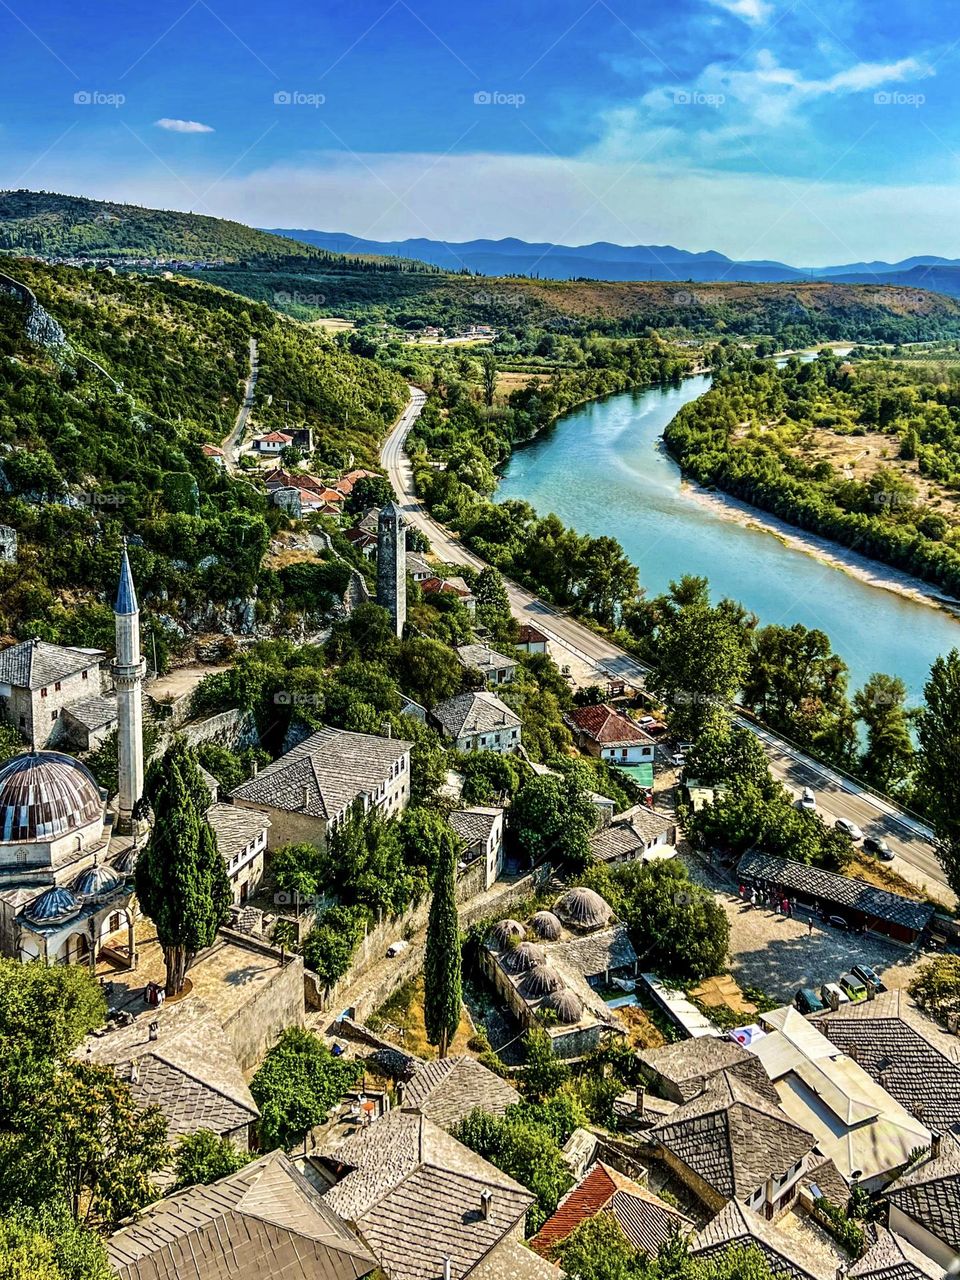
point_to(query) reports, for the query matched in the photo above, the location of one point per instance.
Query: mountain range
(605, 261)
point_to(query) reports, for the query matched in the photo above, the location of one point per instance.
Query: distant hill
(50, 225)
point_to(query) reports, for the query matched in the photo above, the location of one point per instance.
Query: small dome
(541, 980)
(96, 883)
(126, 864)
(53, 906)
(546, 925)
(567, 1005)
(583, 909)
(44, 795)
(525, 957)
(504, 930)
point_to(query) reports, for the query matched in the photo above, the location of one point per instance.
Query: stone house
(481, 830)
(478, 721)
(37, 680)
(242, 840)
(494, 667)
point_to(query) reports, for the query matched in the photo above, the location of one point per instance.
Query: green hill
(90, 451)
(51, 225)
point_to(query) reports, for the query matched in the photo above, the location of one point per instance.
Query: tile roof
(733, 1137)
(893, 1258)
(605, 725)
(689, 1064)
(631, 832)
(189, 1071)
(531, 635)
(484, 658)
(909, 1054)
(264, 1221)
(325, 773)
(94, 713)
(735, 1224)
(645, 1220)
(841, 891)
(448, 1089)
(474, 712)
(414, 1194)
(930, 1193)
(474, 825)
(34, 664)
(595, 953)
(280, 479)
(235, 827)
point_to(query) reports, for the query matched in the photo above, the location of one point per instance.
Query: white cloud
(753, 11)
(183, 126)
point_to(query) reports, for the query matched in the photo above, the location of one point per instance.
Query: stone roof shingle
(595, 953)
(484, 658)
(736, 1225)
(893, 1258)
(235, 827)
(34, 664)
(474, 825)
(689, 1064)
(94, 713)
(474, 712)
(448, 1089)
(930, 1193)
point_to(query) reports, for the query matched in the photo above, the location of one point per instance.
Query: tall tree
(442, 970)
(888, 759)
(489, 377)
(181, 876)
(938, 731)
(701, 663)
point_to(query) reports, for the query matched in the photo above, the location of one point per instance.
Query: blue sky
(807, 132)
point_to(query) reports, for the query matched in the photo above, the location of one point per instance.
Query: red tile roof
(275, 437)
(531, 635)
(211, 451)
(606, 726)
(439, 584)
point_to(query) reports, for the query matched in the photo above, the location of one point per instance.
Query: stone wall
(232, 729)
(254, 1027)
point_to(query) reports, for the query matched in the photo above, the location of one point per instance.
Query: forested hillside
(88, 454)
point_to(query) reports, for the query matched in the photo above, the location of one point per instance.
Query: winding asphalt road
(837, 797)
(231, 445)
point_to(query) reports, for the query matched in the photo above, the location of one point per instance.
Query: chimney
(871, 991)
(641, 1092)
(399, 1093)
(154, 1030)
(256, 767)
(486, 1199)
(447, 1269)
(306, 796)
(852, 1053)
(387, 729)
(135, 1072)
(936, 1144)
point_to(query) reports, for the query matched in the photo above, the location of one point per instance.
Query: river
(602, 469)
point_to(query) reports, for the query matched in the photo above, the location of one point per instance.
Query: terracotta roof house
(265, 1221)
(479, 721)
(278, 478)
(346, 483)
(451, 586)
(189, 1071)
(681, 1071)
(422, 1201)
(893, 1258)
(215, 454)
(925, 1203)
(272, 442)
(531, 639)
(737, 1226)
(646, 1221)
(637, 833)
(448, 1089)
(494, 667)
(312, 787)
(913, 1057)
(608, 734)
(733, 1143)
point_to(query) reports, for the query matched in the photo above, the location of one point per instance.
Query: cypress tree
(181, 877)
(442, 977)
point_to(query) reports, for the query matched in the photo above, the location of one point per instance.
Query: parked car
(879, 847)
(849, 828)
(855, 987)
(831, 993)
(807, 1001)
(808, 800)
(679, 759)
(868, 975)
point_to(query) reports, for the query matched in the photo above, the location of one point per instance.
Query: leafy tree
(724, 752)
(427, 840)
(938, 731)
(181, 877)
(442, 977)
(428, 671)
(597, 1249)
(330, 945)
(701, 664)
(364, 862)
(560, 1114)
(936, 986)
(524, 1151)
(543, 1072)
(555, 816)
(369, 491)
(488, 778)
(295, 1086)
(489, 368)
(11, 743)
(48, 1244)
(203, 1157)
(889, 757)
(493, 606)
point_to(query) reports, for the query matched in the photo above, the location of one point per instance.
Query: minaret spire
(392, 565)
(128, 672)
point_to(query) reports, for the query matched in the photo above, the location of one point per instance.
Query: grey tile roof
(841, 891)
(595, 953)
(930, 1194)
(689, 1064)
(474, 825)
(34, 664)
(414, 1194)
(733, 1137)
(484, 658)
(446, 1090)
(94, 713)
(235, 827)
(893, 1258)
(735, 1224)
(513, 1260)
(324, 774)
(915, 1060)
(479, 712)
(630, 832)
(264, 1221)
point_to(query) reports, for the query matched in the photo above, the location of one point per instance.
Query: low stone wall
(273, 1007)
(231, 729)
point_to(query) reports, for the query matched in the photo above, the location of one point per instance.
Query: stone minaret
(392, 565)
(128, 672)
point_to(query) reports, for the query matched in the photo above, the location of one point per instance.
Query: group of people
(768, 896)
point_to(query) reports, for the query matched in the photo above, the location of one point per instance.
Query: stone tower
(128, 672)
(392, 565)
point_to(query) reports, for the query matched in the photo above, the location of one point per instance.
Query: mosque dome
(54, 906)
(541, 980)
(96, 883)
(524, 957)
(126, 864)
(546, 925)
(567, 1005)
(583, 909)
(505, 931)
(45, 795)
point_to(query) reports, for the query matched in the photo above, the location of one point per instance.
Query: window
(57, 686)
(84, 674)
(23, 722)
(53, 716)
(43, 693)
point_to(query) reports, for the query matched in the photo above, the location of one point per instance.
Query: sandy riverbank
(832, 553)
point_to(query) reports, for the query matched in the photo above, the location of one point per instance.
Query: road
(837, 796)
(231, 445)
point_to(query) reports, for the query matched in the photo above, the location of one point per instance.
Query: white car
(849, 828)
(833, 989)
(808, 800)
